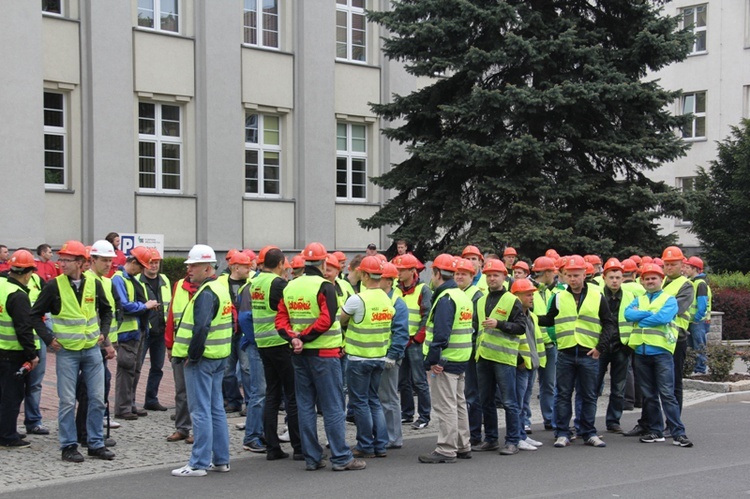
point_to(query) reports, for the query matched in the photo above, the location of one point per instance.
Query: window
(351, 30)
(695, 105)
(55, 140)
(52, 6)
(159, 148)
(162, 15)
(688, 184)
(351, 162)
(694, 19)
(262, 155)
(262, 17)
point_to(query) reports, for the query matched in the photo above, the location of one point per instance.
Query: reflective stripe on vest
(301, 301)
(682, 320)
(180, 301)
(264, 317)
(523, 345)
(694, 307)
(76, 327)
(493, 343)
(578, 326)
(623, 325)
(8, 338)
(129, 322)
(219, 339)
(370, 337)
(459, 345)
(412, 303)
(664, 336)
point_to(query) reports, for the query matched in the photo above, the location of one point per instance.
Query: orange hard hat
(543, 263)
(381, 257)
(407, 261)
(262, 255)
(693, 261)
(672, 254)
(339, 256)
(510, 252)
(592, 259)
(240, 258)
(231, 253)
(472, 250)
(332, 261)
(371, 265)
(390, 271)
(88, 252)
(612, 264)
(250, 253)
(445, 262)
(22, 259)
(552, 253)
(522, 286)
(465, 265)
(520, 264)
(658, 261)
(651, 268)
(494, 265)
(287, 265)
(647, 259)
(298, 262)
(314, 252)
(637, 259)
(142, 255)
(628, 265)
(73, 248)
(589, 269)
(155, 255)
(575, 262)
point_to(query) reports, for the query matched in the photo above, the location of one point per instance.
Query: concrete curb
(721, 398)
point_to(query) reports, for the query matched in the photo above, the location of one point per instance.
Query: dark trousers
(618, 363)
(279, 373)
(680, 352)
(156, 349)
(11, 396)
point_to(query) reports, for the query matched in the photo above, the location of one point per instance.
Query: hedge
(731, 295)
(173, 267)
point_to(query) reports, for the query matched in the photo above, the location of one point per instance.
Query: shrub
(174, 268)
(734, 280)
(735, 303)
(720, 361)
(691, 359)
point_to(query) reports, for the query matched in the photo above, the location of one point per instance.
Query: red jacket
(47, 270)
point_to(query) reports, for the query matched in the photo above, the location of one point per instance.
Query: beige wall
(267, 222)
(169, 215)
(349, 235)
(61, 55)
(164, 64)
(267, 78)
(356, 86)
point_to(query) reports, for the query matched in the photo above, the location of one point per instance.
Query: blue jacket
(244, 305)
(399, 329)
(136, 308)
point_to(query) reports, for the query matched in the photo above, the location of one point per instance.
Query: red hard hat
(651, 268)
(472, 250)
(155, 255)
(628, 265)
(465, 266)
(298, 262)
(522, 286)
(314, 252)
(637, 259)
(262, 255)
(231, 253)
(73, 248)
(590, 269)
(371, 265)
(592, 259)
(240, 258)
(520, 264)
(647, 259)
(22, 259)
(445, 262)
(381, 257)
(250, 253)
(142, 255)
(575, 262)
(494, 265)
(658, 261)
(543, 263)
(407, 261)
(612, 264)
(332, 261)
(339, 256)
(390, 271)
(672, 254)
(510, 252)
(693, 261)
(551, 253)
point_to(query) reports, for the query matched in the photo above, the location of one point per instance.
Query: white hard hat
(103, 248)
(201, 253)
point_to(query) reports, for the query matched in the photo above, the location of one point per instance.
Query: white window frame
(159, 139)
(261, 25)
(695, 115)
(157, 12)
(350, 156)
(62, 132)
(262, 148)
(345, 6)
(53, 13)
(694, 10)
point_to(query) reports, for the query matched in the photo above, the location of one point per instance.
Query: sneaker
(16, 444)
(463, 455)
(188, 471)
(406, 420)
(38, 430)
(562, 442)
(527, 429)
(535, 443)
(284, 437)
(219, 468)
(353, 465)
(436, 457)
(682, 441)
(573, 434)
(615, 428)
(239, 426)
(419, 424)
(102, 453)
(316, 466)
(525, 445)
(651, 438)
(254, 446)
(487, 446)
(71, 454)
(667, 432)
(637, 431)
(275, 454)
(595, 441)
(509, 450)
(112, 424)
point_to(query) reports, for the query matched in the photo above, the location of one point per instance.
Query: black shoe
(667, 432)
(393, 446)
(615, 428)
(434, 458)
(682, 441)
(651, 438)
(275, 454)
(406, 420)
(38, 430)
(464, 455)
(108, 442)
(637, 431)
(173, 417)
(16, 444)
(154, 407)
(298, 456)
(102, 453)
(487, 446)
(548, 426)
(628, 408)
(243, 412)
(232, 408)
(316, 466)
(71, 454)
(350, 419)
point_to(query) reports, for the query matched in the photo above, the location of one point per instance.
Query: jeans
(89, 363)
(279, 375)
(203, 382)
(491, 374)
(680, 352)
(547, 386)
(524, 383)
(363, 378)
(697, 341)
(388, 395)
(318, 380)
(655, 373)
(33, 391)
(255, 391)
(82, 411)
(182, 422)
(576, 370)
(526, 402)
(413, 375)
(618, 362)
(11, 396)
(230, 384)
(156, 349)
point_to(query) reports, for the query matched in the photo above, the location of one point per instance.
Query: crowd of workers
(307, 337)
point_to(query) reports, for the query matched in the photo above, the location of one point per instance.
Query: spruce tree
(537, 128)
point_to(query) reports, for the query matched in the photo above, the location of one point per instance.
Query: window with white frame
(159, 148)
(262, 155)
(694, 19)
(351, 30)
(52, 6)
(55, 140)
(161, 15)
(261, 21)
(694, 104)
(351, 162)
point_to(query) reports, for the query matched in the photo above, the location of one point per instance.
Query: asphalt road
(717, 467)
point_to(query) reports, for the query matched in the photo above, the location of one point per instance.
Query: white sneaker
(562, 442)
(595, 441)
(112, 423)
(239, 426)
(525, 445)
(284, 437)
(535, 443)
(219, 468)
(188, 471)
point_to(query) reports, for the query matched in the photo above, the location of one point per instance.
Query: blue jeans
(655, 375)
(524, 383)
(230, 383)
(318, 380)
(576, 370)
(255, 391)
(618, 371)
(473, 405)
(697, 341)
(89, 363)
(33, 391)
(547, 386)
(388, 395)
(491, 374)
(154, 345)
(363, 377)
(413, 374)
(210, 431)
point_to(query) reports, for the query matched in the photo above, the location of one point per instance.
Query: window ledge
(696, 54)
(695, 139)
(59, 191)
(251, 197)
(162, 32)
(356, 63)
(265, 49)
(165, 195)
(345, 202)
(60, 17)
